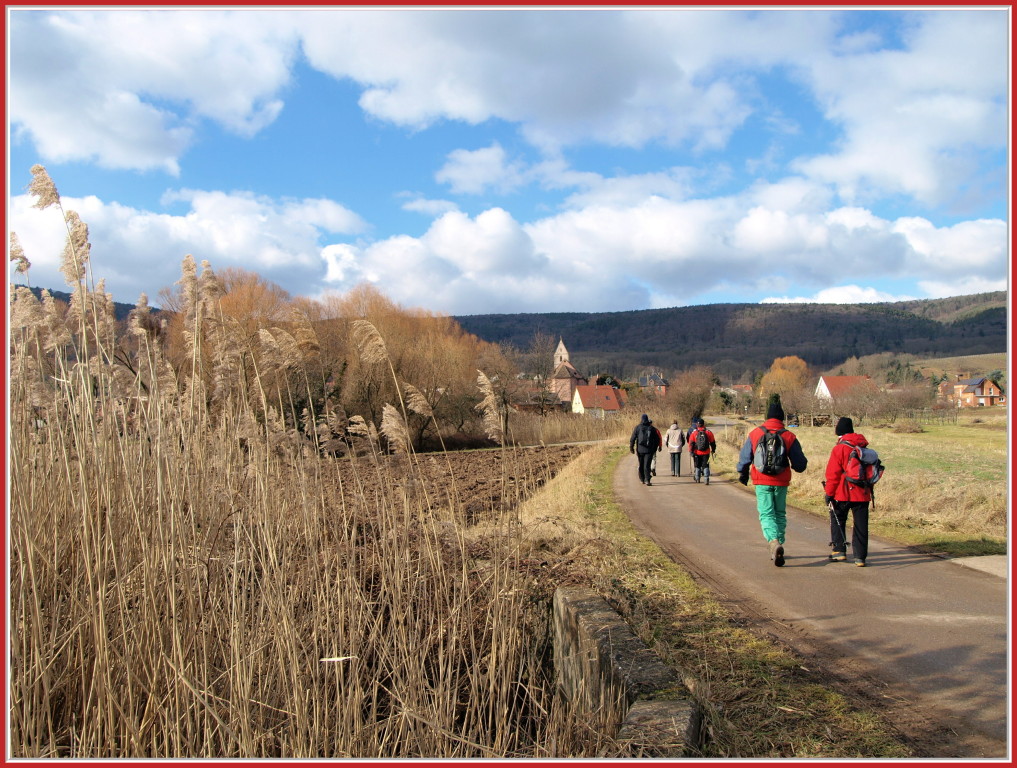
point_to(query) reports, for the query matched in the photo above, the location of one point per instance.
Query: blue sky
(520, 160)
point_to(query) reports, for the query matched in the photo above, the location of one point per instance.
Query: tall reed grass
(191, 578)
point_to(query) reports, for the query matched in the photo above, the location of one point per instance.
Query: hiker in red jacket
(701, 449)
(843, 497)
(771, 474)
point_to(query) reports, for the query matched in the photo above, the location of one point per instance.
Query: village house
(597, 400)
(829, 389)
(972, 393)
(565, 378)
(653, 382)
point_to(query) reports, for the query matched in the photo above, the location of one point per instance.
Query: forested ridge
(738, 339)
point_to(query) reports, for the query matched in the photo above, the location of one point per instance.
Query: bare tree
(689, 393)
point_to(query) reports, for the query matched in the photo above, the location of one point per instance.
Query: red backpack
(863, 467)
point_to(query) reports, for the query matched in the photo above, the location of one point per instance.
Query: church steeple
(561, 355)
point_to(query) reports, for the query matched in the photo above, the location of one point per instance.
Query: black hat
(844, 426)
(774, 409)
(700, 422)
(645, 419)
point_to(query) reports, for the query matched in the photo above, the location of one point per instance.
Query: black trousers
(859, 527)
(645, 460)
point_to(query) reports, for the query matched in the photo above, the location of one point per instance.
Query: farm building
(832, 388)
(597, 400)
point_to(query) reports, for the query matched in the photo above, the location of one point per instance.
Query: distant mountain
(737, 340)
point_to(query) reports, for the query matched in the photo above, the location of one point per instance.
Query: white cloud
(968, 249)
(935, 289)
(134, 83)
(662, 253)
(473, 172)
(842, 294)
(433, 208)
(657, 252)
(141, 251)
(674, 184)
(916, 119)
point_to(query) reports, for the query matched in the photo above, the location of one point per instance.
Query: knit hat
(844, 426)
(644, 419)
(774, 409)
(700, 422)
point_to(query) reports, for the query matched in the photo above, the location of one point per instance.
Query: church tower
(561, 355)
(565, 378)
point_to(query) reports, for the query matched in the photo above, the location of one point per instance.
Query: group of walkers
(768, 457)
(646, 442)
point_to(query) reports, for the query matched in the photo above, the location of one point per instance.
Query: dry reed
(191, 578)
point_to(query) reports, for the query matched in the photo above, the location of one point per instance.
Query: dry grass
(558, 427)
(969, 365)
(180, 592)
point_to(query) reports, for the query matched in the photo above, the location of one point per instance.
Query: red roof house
(597, 400)
(831, 388)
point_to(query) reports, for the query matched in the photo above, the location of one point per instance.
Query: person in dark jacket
(843, 497)
(645, 442)
(692, 428)
(701, 457)
(771, 490)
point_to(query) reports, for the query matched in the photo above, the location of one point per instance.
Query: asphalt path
(928, 629)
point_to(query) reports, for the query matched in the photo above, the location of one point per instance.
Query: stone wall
(611, 675)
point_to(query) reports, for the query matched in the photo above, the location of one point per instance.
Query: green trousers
(771, 503)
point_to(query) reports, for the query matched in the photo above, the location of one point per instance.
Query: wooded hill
(738, 340)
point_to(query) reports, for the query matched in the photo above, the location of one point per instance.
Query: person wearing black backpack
(702, 445)
(645, 442)
(768, 456)
(843, 497)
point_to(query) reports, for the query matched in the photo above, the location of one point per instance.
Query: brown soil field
(474, 483)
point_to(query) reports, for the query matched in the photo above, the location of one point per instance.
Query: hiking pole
(832, 508)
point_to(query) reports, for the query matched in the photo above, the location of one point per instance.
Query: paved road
(927, 626)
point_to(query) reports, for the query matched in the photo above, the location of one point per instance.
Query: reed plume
(369, 342)
(76, 250)
(43, 188)
(488, 408)
(18, 255)
(393, 428)
(416, 401)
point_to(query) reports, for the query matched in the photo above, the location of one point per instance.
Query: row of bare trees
(791, 378)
